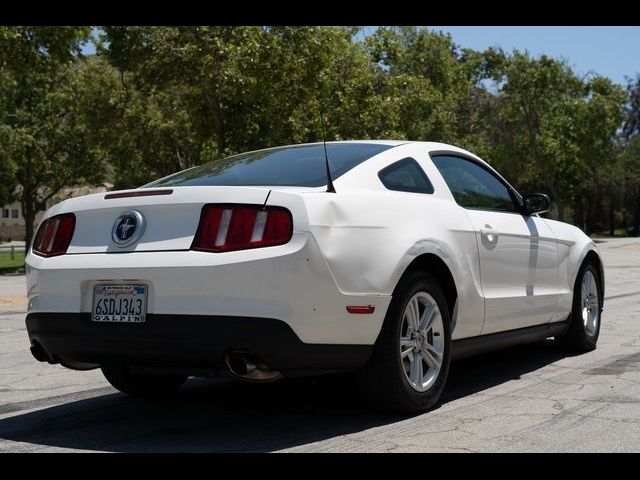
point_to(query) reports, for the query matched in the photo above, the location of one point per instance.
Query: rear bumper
(186, 341)
(290, 282)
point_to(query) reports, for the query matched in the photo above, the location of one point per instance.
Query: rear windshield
(301, 165)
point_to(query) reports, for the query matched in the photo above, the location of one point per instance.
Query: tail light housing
(54, 235)
(225, 228)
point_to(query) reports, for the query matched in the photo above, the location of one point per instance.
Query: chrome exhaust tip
(250, 367)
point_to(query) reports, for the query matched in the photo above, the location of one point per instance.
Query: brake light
(224, 228)
(54, 235)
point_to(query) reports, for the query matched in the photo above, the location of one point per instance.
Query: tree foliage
(43, 136)
(631, 125)
(549, 128)
(155, 100)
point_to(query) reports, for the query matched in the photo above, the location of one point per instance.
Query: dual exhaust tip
(250, 367)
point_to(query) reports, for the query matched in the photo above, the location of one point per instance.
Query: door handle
(489, 233)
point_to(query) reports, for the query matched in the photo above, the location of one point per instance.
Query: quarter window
(405, 176)
(473, 186)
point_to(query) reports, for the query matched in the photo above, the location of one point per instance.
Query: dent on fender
(332, 225)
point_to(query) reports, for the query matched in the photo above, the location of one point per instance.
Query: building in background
(12, 224)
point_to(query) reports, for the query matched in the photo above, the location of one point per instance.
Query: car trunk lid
(170, 216)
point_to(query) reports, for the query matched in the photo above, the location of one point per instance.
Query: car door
(518, 253)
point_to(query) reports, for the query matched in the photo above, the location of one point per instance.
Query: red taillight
(224, 228)
(54, 235)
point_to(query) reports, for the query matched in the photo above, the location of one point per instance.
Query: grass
(6, 263)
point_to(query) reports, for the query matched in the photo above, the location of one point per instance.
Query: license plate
(119, 303)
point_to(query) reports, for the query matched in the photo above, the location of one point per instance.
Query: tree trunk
(560, 210)
(29, 214)
(587, 215)
(217, 122)
(30, 220)
(578, 213)
(636, 219)
(612, 218)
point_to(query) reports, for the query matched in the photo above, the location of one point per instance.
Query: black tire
(383, 379)
(576, 338)
(141, 385)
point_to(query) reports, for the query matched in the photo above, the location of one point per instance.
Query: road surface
(535, 398)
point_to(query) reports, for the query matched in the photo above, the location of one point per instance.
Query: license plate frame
(130, 297)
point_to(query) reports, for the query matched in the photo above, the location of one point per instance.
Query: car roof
(408, 147)
(430, 146)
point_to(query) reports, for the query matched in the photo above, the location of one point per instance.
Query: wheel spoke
(433, 348)
(407, 341)
(416, 370)
(415, 313)
(591, 322)
(406, 346)
(412, 314)
(432, 357)
(405, 353)
(426, 320)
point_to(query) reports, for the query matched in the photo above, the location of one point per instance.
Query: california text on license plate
(119, 303)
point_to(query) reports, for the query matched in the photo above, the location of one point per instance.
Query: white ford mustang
(262, 266)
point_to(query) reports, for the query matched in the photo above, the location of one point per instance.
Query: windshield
(298, 165)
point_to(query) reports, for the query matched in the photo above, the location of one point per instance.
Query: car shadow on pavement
(219, 416)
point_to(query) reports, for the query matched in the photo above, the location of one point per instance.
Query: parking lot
(534, 398)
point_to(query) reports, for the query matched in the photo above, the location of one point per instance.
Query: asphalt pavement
(536, 398)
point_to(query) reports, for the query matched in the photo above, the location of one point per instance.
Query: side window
(405, 176)
(472, 186)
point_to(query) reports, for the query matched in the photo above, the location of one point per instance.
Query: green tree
(429, 81)
(160, 99)
(631, 125)
(630, 155)
(140, 135)
(595, 125)
(241, 88)
(550, 129)
(630, 180)
(43, 145)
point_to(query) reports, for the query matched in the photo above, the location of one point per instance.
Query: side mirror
(536, 203)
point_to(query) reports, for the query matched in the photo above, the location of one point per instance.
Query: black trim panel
(189, 341)
(467, 347)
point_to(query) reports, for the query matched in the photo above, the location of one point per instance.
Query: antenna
(330, 187)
